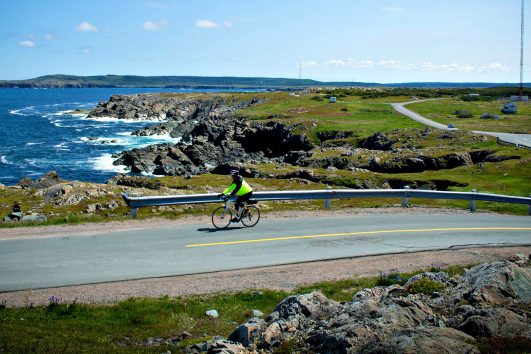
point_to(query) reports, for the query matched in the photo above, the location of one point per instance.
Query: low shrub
(425, 286)
(387, 279)
(463, 114)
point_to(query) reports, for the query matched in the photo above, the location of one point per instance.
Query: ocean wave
(30, 144)
(103, 140)
(62, 147)
(32, 162)
(26, 111)
(67, 112)
(105, 163)
(4, 160)
(60, 124)
(150, 138)
(57, 123)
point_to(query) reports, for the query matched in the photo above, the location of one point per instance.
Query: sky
(382, 41)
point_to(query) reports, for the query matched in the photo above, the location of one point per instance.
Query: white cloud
(392, 9)
(155, 26)
(227, 24)
(394, 65)
(309, 64)
(495, 67)
(86, 50)
(206, 24)
(86, 27)
(350, 63)
(453, 67)
(49, 37)
(26, 44)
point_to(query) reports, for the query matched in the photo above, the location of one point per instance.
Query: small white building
(333, 99)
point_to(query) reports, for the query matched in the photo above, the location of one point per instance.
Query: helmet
(234, 173)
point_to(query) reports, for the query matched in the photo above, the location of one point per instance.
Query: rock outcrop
(209, 135)
(488, 301)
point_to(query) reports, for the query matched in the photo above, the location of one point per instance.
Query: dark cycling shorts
(242, 198)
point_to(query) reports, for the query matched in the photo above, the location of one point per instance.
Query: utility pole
(521, 91)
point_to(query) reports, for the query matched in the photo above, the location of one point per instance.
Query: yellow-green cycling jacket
(239, 187)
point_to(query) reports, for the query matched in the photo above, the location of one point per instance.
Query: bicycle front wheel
(221, 218)
(252, 217)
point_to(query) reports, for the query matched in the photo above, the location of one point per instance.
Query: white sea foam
(125, 121)
(57, 123)
(4, 160)
(30, 144)
(31, 162)
(103, 140)
(164, 137)
(20, 112)
(62, 147)
(105, 163)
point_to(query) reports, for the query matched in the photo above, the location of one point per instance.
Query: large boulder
(495, 283)
(424, 340)
(378, 141)
(499, 322)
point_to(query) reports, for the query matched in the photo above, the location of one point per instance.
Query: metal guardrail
(328, 194)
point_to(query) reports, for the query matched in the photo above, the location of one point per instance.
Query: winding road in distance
(523, 140)
(31, 263)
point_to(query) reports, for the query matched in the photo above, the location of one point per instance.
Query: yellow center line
(284, 238)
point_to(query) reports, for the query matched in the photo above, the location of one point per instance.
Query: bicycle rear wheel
(252, 217)
(221, 218)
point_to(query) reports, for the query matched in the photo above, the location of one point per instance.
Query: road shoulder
(285, 277)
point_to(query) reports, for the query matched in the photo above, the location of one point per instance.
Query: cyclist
(241, 189)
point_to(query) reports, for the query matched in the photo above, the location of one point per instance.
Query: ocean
(37, 134)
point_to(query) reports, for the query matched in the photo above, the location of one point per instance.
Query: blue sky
(343, 40)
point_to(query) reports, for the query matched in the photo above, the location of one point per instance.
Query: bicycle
(221, 217)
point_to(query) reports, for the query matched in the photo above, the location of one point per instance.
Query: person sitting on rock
(241, 189)
(17, 212)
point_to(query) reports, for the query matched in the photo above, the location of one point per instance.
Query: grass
(125, 327)
(442, 111)
(363, 117)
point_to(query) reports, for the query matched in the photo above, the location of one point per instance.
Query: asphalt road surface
(198, 248)
(523, 140)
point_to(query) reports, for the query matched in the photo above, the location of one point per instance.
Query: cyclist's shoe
(234, 220)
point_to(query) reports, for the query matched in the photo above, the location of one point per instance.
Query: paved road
(197, 248)
(523, 140)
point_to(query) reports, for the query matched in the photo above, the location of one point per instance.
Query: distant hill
(202, 82)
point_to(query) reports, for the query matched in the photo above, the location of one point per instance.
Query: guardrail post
(328, 202)
(472, 205)
(134, 211)
(404, 198)
(529, 207)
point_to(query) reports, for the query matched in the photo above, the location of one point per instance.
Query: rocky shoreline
(211, 137)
